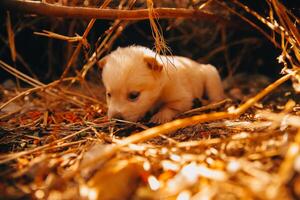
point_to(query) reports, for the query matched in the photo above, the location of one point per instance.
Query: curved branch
(40, 8)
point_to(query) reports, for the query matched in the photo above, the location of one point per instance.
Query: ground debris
(47, 150)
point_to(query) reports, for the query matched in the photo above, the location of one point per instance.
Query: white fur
(172, 89)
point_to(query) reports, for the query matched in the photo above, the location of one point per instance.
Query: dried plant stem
(21, 95)
(286, 21)
(84, 36)
(113, 33)
(37, 88)
(251, 23)
(160, 44)
(207, 107)
(20, 75)
(40, 85)
(275, 27)
(58, 36)
(11, 38)
(78, 48)
(11, 43)
(36, 7)
(289, 26)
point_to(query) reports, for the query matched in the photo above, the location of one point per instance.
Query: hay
(57, 143)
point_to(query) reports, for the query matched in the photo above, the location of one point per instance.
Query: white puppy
(137, 80)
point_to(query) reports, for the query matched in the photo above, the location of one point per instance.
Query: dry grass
(57, 143)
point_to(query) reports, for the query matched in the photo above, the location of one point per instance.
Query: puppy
(137, 80)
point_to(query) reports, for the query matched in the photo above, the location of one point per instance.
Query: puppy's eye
(133, 96)
(108, 94)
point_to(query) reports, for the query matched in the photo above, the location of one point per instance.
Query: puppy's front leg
(165, 114)
(170, 110)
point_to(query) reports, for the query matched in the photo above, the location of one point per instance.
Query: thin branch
(40, 8)
(50, 34)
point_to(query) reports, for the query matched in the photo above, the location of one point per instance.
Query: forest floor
(49, 139)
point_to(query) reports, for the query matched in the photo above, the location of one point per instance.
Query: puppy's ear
(101, 63)
(153, 64)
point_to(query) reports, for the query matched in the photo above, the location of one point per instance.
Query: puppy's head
(133, 79)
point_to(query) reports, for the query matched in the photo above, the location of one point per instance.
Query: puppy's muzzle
(117, 116)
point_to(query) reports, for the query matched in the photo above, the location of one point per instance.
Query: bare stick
(40, 8)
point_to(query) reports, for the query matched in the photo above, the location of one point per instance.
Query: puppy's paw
(163, 116)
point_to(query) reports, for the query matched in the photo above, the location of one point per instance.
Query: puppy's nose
(117, 116)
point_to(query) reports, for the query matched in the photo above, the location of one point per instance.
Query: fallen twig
(40, 8)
